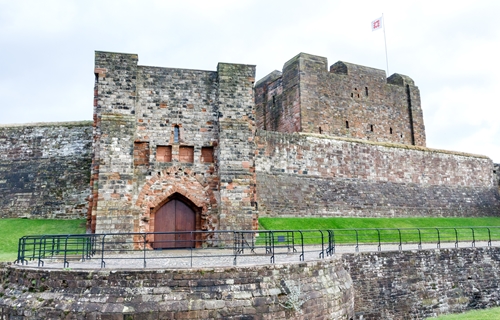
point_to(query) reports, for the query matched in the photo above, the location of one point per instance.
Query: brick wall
(315, 175)
(45, 170)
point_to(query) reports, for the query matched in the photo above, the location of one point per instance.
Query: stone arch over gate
(176, 184)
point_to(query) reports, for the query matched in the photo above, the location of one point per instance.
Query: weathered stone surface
(317, 175)
(424, 283)
(348, 100)
(28, 293)
(45, 170)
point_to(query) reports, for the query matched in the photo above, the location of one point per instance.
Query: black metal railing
(239, 244)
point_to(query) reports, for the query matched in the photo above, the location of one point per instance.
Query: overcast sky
(451, 49)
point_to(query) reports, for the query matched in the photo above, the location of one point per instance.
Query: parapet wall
(45, 169)
(316, 175)
(256, 292)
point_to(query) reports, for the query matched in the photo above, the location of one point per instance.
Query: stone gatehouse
(211, 150)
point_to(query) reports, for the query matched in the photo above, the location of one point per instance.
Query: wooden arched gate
(175, 216)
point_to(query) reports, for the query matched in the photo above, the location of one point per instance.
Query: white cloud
(449, 50)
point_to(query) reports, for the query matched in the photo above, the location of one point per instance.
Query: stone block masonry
(316, 175)
(322, 289)
(424, 283)
(45, 170)
(348, 100)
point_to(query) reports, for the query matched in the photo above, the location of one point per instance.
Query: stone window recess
(176, 134)
(207, 154)
(164, 153)
(141, 153)
(186, 154)
(347, 124)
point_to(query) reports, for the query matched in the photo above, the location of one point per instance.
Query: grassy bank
(493, 313)
(13, 229)
(409, 230)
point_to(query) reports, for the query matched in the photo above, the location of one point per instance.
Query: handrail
(270, 243)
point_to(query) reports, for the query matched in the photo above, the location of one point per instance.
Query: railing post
(357, 240)
(379, 244)
(40, 251)
(144, 236)
(473, 238)
(489, 237)
(400, 240)
(322, 253)
(103, 264)
(301, 256)
(439, 239)
(65, 261)
(272, 246)
(456, 238)
(419, 239)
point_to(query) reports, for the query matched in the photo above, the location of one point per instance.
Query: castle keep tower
(173, 148)
(348, 101)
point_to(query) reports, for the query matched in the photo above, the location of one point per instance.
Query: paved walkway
(200, 258)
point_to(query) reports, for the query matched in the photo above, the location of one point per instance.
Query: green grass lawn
(493, 313)
(13, 229)
(449, 229)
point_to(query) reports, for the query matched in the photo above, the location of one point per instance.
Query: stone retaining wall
(425, 283)
(322, 289)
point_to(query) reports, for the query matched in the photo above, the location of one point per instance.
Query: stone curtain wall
(314, 175)
(257, 292)
(425, 283)
(45, 170)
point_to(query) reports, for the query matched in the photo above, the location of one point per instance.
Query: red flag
(377, 24)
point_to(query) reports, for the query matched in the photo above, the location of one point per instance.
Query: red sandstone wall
(314, 175)
(349, 101)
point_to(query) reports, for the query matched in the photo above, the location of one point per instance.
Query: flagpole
(385, 43)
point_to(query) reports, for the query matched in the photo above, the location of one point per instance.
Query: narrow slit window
(176, 134)
(352, 95)
(366, 91)
(347, 124)
(390, 130)
(320, 131)
(371, 127)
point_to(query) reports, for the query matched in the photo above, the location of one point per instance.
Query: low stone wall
(45, 169)
(323, 288)
(424, 283)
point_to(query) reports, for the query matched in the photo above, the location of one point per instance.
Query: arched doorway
(175, 216)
